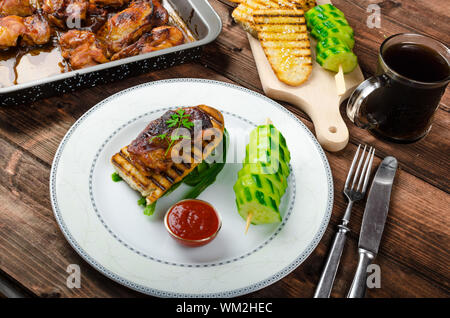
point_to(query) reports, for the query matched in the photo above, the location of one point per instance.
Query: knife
(374, 218)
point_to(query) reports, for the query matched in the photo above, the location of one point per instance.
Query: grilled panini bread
(303, 4)
(147, 165)
(284, 38)
(243, 13)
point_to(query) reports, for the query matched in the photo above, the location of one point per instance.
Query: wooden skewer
(249, 220)
(340, 81)
(250, 215)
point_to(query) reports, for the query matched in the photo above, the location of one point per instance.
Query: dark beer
(402, 108)
(417, 62)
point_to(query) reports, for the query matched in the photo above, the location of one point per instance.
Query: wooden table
(414, 255)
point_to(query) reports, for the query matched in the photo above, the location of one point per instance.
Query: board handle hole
(332, 129)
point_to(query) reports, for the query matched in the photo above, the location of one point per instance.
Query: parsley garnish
(178, 120)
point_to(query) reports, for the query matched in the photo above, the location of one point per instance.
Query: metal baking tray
(198, 16)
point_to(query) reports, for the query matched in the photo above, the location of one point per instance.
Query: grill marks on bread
(284, 38)
(280, 25)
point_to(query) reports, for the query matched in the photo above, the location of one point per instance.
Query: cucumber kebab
(262, 181)
(335, 38)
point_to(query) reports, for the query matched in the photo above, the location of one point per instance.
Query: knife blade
(377, 206)
(374, 219)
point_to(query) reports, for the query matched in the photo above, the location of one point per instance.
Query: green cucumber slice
(268, 146)
(325, 8)
(329, 29)
(322, 17)
(328, 43)
(330, 57)
(277, 179)
(263, 207)
(333, 24)
(262, 183)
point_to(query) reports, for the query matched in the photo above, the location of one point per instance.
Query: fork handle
(325, 285)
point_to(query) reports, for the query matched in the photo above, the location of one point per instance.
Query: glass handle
(360, 94)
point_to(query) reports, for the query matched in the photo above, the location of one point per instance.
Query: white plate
(104, 224)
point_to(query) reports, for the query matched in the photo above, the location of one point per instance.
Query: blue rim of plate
(160, 293)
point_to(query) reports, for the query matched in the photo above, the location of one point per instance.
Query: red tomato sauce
(193, 220)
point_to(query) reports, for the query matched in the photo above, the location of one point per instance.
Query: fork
(354, 192)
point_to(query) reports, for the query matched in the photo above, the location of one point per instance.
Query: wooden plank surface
(414, 254)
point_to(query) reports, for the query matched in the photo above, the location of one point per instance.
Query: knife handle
(325, 285)
(358, 287)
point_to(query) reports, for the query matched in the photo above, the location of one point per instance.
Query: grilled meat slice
(144, 164)
(149, 150)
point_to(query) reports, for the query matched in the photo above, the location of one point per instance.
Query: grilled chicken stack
(149, 166)
(280, 26)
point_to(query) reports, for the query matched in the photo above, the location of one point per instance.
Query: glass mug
(398, 104)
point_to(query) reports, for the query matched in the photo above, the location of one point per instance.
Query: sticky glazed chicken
(88, 32)
(37, 30)
(20, 8)
(63, 12)
(82, 49)
(11, 28)
(109, 3)
(160, 38)
(32, 30)
(71, 14)
(129, 25)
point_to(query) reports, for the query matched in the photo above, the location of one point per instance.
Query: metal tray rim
(207, 14)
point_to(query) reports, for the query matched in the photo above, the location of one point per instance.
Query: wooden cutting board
(317, 97)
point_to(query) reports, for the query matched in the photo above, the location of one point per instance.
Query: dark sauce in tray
(24, 64)
(21, 65)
